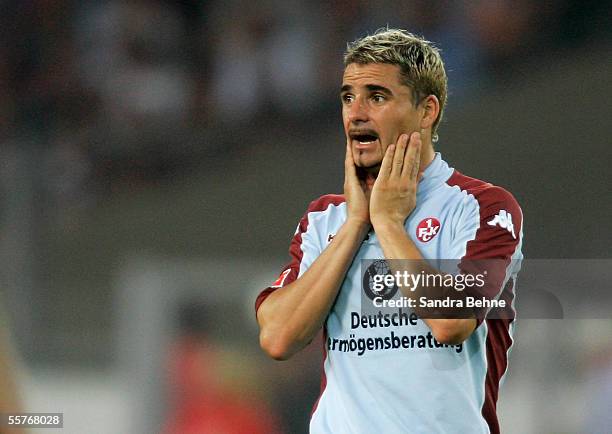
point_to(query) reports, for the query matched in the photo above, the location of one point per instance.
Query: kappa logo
(427, 229)
(504, 221)
(281, 279)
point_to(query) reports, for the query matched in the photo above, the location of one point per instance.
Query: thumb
(350, 172)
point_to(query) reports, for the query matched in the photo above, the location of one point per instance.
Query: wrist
(359, 225)
(388, 227)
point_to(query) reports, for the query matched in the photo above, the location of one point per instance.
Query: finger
(412, 158)
(398, 158)
(387, 163)
(350, 172)
(417, 161)
(418, 144)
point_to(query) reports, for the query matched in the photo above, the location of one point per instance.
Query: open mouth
(364, 137)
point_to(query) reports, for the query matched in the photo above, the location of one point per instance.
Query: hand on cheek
(394, 192)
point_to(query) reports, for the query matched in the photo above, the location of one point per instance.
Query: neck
(427, 156)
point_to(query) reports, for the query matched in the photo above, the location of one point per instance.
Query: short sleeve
(304, 249)
(488, 240)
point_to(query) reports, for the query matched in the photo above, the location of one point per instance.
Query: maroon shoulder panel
(497, 238)
(295, 249)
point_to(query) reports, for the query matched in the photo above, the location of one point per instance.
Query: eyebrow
(369, 87)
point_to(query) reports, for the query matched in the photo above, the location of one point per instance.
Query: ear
(431, 109)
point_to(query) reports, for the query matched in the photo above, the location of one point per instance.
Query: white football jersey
(388, 374)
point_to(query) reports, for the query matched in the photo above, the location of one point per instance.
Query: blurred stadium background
(155, 157)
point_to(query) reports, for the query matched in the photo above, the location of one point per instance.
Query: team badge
(427, 229)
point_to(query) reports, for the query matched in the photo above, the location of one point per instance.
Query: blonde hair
(421, 66)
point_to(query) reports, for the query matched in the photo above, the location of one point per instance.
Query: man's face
(376, 109)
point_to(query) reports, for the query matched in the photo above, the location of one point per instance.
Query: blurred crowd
(121, 92)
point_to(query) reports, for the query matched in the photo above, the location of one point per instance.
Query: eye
(378, 98)
(347, 98)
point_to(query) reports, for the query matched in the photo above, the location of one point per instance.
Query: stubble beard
(368, 170)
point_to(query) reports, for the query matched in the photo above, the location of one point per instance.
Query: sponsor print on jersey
(504, 220)
(281, 279)
(427, 229)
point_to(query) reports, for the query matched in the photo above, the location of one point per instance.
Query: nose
(357, 111)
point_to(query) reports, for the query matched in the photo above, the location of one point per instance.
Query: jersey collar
(435, 174)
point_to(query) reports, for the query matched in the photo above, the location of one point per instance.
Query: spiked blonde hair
(421, 66)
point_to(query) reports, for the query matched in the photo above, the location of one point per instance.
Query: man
(401, 202)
